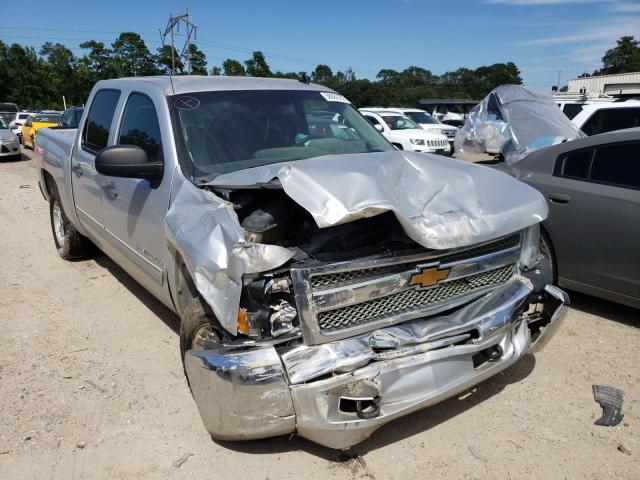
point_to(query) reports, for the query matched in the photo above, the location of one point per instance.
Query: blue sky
(543, 37)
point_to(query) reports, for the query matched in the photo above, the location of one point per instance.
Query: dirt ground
(91, 386)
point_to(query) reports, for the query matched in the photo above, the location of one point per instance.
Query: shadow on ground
(605, 309)
(152, 303)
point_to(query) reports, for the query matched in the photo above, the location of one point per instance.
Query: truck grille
(410, 300)
(343, 299)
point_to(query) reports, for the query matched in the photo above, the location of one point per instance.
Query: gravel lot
(91, 386)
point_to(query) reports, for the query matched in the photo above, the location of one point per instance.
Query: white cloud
(613, 30)
(626, 7)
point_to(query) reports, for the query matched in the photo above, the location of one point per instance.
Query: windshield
(3, 124)
(226, 131)
(397, 122)
(47, 118)
(421, 117)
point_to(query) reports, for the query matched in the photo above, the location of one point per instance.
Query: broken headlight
(267, 307)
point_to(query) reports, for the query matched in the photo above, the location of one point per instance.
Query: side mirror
(379, 127)
(129, 161)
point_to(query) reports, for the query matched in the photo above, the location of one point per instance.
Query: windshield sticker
(186, 103)
(334, 97)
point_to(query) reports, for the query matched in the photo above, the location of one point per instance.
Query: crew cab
(326, 282)
(404, 133)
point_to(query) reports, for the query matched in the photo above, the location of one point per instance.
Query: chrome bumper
(338, 393)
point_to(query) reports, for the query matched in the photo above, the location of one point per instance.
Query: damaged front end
(366, 345)
(348, 309)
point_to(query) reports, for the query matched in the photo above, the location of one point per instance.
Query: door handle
(110, 191)
(77, 169)
(559, 198)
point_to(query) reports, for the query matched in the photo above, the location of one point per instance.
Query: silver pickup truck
(326, 283)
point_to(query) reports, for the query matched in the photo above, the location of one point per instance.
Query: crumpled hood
(440, 202)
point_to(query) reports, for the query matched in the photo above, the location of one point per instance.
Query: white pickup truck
(326, 282)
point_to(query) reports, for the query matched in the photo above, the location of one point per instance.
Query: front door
(135, 211)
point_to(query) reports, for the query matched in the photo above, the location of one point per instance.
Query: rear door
(88, 186)
(135, 211)
(594, 218)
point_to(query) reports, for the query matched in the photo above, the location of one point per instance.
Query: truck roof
(199, 83)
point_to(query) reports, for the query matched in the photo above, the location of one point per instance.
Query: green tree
(99, 60)
(257, 66)
(21, 77)
(216, 71)
(197, 60)
(321, 74)
(166, 61)
(132, 57)
(624, 57)
(233, 68)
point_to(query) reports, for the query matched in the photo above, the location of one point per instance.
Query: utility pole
(174, 25)
(558, 84)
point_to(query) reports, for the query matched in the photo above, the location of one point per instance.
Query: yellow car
(36, 121)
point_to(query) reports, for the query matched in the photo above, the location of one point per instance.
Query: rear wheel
(69, 242)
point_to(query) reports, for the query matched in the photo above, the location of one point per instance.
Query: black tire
(546, 250)
(68, 241)
(198, 321)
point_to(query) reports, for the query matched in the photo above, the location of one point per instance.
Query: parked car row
(20, 127)
(412, 129)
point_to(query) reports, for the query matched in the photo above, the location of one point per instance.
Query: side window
(140, 126)
(608, 120)
(96, 129)
(572, 109)
(617, 165)
(574, 164)
(372, 120)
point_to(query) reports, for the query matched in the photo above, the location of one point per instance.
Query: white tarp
(513, 121)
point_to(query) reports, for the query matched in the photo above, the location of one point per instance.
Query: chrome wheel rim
(204, 333)
(58, 224)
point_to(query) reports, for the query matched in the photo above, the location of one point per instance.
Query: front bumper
(338, 393)
(10, 148)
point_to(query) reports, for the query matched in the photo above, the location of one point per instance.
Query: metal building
(618, 85)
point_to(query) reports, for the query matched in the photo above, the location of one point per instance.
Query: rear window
(610, 119)
(47, 118)
(98, 125)
(617, 165)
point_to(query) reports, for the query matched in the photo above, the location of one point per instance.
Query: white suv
(607, 117)
(425, 120)
(406, 134)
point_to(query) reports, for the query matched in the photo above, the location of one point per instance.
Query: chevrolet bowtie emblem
(428, 277)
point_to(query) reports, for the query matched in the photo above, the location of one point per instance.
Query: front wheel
(546, 250)
(69, 242)
(197, 326)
